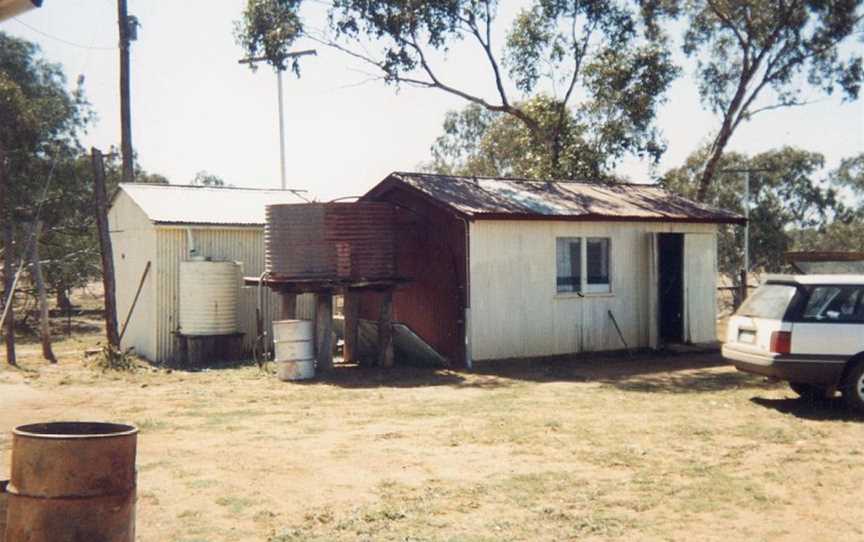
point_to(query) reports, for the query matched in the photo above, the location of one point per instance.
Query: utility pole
(126, 25)
(256, 59)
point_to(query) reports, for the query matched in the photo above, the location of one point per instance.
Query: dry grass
(676, 448)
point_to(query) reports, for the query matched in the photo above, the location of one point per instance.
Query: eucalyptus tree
(786, 198)
(40, 119)
(602, 65)
(758, 55)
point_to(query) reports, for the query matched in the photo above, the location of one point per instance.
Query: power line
(61, 40)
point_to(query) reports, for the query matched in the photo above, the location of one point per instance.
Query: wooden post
(385, 330)
(351, 351)
(289, 306)
(742, 293)
(39, 279)
(324, 330)
(107, 252)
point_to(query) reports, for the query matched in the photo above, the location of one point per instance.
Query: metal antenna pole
(747, 225)
(746, 200)
(251, 61)
(281, 130)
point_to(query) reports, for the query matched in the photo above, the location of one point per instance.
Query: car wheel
(810, 392)
(853, 387)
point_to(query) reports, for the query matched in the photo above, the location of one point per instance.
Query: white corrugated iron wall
(133, 241)
(245, 245)
(515, 309)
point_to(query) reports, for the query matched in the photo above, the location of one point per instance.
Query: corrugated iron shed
(505, 198)
(181, 204)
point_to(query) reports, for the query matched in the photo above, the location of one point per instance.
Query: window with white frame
(569, 264)
(582, 265)
(597, 260)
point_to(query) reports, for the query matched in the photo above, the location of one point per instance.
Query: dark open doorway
(671, 284)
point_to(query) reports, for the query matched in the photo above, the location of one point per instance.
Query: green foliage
(774, 49)
(784, 201)
(111, 359)
(609, 55)
(477, 141)
(36, 110)
(846, 231)
(267, 29)
(48, 172)
(205, 178)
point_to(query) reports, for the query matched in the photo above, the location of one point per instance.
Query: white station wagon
(805, 329)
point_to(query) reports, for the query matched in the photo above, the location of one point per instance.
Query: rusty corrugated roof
(183, 204)
(505, 198)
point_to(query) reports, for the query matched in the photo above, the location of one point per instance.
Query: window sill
(574, 295)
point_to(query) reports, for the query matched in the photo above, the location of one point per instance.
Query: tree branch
(487, 49)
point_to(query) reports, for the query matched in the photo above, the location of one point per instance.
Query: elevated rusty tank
(338, 241)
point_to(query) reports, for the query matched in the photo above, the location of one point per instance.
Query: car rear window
(835, 304)
(768, 301)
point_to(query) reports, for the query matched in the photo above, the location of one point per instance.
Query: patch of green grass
(202, 483)
(235, 505)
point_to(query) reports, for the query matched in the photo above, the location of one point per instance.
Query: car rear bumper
(805, 369)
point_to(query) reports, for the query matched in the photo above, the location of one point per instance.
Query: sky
(195, 108)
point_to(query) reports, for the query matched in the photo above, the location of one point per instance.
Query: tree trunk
(711, 167)
(8, 263)
(36, 273)
(63, 302)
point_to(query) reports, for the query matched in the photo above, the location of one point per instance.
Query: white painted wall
(515, 310)
(133, 242)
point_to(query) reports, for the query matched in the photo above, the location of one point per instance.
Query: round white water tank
(209, 296)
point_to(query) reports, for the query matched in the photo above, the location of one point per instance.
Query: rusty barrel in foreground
(72, 482)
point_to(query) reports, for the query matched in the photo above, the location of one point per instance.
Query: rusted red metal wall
(430, 251)
(330, 240)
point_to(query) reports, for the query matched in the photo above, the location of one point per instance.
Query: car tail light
(781, 342)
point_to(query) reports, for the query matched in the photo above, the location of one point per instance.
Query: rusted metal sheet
(432, 253)
(330, 240)
(72, 482)
(488, 198)
(4, 504)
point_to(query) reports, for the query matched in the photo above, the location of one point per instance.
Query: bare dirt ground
(679, 447)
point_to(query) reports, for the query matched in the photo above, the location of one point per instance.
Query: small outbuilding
(513, 268)
(163, 225)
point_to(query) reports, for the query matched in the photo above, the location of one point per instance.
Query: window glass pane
(768, 301)
(569, 264)
(597, 249)
(835, 304)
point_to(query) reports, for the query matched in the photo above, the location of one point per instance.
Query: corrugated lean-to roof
(501, 198)
(177, 204)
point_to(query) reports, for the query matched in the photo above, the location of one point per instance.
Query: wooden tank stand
(324, 290)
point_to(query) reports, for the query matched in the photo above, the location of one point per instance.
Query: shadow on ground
(822, 410)
(645, 373)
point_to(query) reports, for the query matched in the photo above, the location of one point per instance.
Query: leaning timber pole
(105, 248)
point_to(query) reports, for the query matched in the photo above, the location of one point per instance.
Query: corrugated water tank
(331, 240)
(209, 296)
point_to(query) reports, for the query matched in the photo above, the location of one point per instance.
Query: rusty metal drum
(331, 241)
(72, 482)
